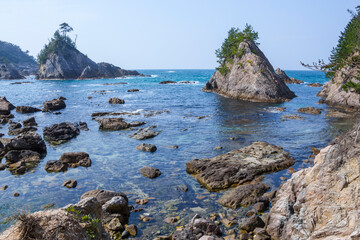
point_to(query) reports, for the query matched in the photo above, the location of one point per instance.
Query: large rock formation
(70, 63)
(9, 71)
(321, 202)
(335, 95)
(251, 77)
(286, 78)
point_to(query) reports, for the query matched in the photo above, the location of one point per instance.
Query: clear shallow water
(116, 162)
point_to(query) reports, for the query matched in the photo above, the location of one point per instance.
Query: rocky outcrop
(310, 110)
(251, 77)
(112, 124)
(321, 202)
(144, 133)
(98, 215)
(26, 109)
(9, 71)
(333, 93)
(5, 106)
(70, 63)
(29, 122)
(60, 133)
(71, 159)
(286, 78)
(146, 147)
(239, 166)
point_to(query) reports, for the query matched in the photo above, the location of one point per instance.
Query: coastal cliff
(250, 77)
(321, 202)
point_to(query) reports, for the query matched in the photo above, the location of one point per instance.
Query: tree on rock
(65, 28)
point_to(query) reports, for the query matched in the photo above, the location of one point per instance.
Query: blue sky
(169, 34)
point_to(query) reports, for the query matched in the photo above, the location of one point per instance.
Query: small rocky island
(245, 72)
(60, 59)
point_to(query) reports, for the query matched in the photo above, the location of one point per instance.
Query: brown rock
(150, 172)
(310, 110)
(70, 183)
(116, 100)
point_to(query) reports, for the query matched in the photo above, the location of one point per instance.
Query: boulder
(251, 77)
(112, 124)
(54, 105)
(83, 126)
(167, 82)
(18, 131)
(133, 90)
(150, 172)
(251, 223)
(239, 166)
(243, 195)
(27, 109)
(197, 228)
(75, 159)
(27, 141)
(321, 202)
(56, 166)
(15, 156)
(144, 133)
(116, 100)
(146, 147)
(117, 204)
(5, 106)
(60, 133)
(310, 110)
(29, 122)
(70, 183)
(103, 196)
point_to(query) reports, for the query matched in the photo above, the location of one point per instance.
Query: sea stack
(250, 77)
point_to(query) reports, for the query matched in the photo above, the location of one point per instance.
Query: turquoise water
(116, 162)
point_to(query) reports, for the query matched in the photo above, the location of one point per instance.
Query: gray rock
(112, 124)
(103, 195)
(18, 131)
(282, 75)
(29, 122)
(54, 105)
(251, 223)
(27, 141)
(83, 126)
(27, 109)
(144, 133)
(60, 133)
(15, 156)
(150, 172)
(251, 78)
(5, 106)
(117, 204)
(239, 166)
(56, 166)
(244, 195)
(116, 100)
(75, 159)
(146, 147)
(10, 71)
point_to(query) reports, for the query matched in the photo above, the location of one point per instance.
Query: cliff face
(251, 77)
(322, 202)
(334, 95)
(9, 71)
(70, 63)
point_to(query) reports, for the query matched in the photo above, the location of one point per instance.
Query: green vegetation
(59, 43)
(230, 47)
(10, 53)
(91, 223)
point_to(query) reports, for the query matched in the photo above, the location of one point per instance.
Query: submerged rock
(61, 132)
(310, 110)
(27, 109)
(321, 202)
(70, 183)
(251, 77)
(54, 105)
(145, 133)
(150, 172)
(239, 166)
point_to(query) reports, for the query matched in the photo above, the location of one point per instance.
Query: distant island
(60, 59)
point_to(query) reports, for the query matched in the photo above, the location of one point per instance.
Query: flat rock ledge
(239, 166)
(99, 215)
(321, 202)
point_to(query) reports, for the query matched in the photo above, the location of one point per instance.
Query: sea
(185, 116)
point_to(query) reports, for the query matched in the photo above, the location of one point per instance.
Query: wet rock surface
(70, 183)
(60, 133)
(54, 105)
(251, 77)
(144, 133)
(244, 195)
(75, 159)
(5, 106)
(27, 109)
(321, 202)
(146, 147)
(150, 172)
(29, 122)
(310, 110)
(239, 166)
(116, 100)
(112, 124)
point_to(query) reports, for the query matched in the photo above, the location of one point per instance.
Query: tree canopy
(230, 47)
(10, 53)
(58, 43)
